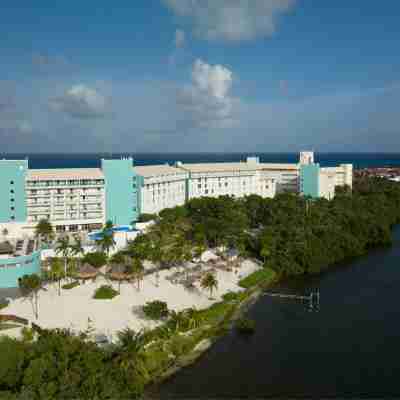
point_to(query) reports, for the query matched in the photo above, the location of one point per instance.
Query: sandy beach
(75, 307)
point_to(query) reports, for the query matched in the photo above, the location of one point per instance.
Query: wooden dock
(313, 298)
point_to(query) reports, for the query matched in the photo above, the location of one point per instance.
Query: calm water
(93, 160)
(348, 349)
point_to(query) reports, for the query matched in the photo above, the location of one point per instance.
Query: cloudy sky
(199, 75)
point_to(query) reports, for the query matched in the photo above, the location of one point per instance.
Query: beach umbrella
(87, 271)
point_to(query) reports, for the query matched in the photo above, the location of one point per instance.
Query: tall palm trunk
(36, 306)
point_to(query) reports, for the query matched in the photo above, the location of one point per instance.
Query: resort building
(83, 199)
(161, 186)
(232, 179)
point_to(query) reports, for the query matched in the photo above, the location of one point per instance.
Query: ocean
(359, 160)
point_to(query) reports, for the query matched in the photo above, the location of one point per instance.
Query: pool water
(123, 228)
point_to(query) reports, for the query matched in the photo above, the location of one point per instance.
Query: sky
(199, 76)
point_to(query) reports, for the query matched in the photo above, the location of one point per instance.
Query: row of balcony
(95, 182)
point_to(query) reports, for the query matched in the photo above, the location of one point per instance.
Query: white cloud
(81, 101)
(179, 38)
(207, 102)
(231, 20)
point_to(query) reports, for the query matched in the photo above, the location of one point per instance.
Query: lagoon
(347, 349)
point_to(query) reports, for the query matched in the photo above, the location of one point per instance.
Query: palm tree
(57, 272)
(209, 282)
(77, 248)
(44, 230)
(108, 226)
(64, 247)
(130, 355)
(107, 242)
(137, 269)
(30, 286)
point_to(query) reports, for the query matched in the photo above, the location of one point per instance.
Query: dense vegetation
(288, 234)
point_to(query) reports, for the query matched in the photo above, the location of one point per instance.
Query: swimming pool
(122, 228)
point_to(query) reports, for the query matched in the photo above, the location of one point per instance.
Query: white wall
(327, 183)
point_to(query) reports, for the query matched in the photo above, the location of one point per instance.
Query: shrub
(97, 259)
(156, 309)
(105, 292)
(27, 334)
(264, 275)
(147, 217)
(230, 296)
(179, 345)
(71, 285)
(245, 325)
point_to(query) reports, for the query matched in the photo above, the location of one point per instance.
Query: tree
(44, 230)
(137, 270)
(57, 272)
(106, 242)
(64, 247)
(77, 248)
(30, 286)
(96, 259)
(108, 226)
(130, 355)
(209, 282)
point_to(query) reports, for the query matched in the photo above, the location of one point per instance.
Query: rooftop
(237, 166)
(148, 171)
(220, 167)
(67, 174)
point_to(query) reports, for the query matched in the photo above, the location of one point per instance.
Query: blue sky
(199, 75)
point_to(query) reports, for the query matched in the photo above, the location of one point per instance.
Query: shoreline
(253, 294)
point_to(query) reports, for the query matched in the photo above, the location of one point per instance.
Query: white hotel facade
(82, 199)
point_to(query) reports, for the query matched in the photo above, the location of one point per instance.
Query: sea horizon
(48, 160)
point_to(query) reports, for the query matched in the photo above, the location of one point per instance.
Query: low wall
(13, 268)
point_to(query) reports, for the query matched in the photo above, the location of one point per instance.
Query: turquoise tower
(121, 191)
(309, 180)
(12, 184)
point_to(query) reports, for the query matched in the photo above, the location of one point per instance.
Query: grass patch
(264, 275)
(71, 285)
(105, 292)
(216, 312)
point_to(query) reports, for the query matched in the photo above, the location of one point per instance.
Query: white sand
(73, 308)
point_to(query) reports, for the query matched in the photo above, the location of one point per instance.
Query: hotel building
(82, 199)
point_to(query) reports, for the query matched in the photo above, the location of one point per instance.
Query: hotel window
(12, 208)
(11, 182)
(12, 200)
(12, 217)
